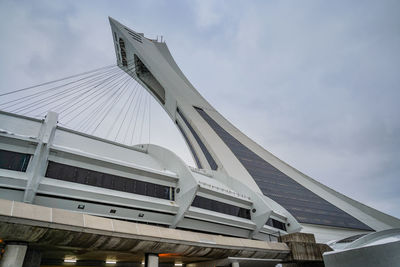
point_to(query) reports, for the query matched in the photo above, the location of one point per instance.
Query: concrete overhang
(92, 237)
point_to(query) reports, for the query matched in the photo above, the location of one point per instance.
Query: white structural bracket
(37, 168)
(187, 186)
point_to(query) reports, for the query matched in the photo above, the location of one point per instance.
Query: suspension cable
(58, 80)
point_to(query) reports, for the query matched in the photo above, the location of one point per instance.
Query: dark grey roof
(303, 204)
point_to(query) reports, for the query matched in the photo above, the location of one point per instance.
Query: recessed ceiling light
(111, 262)
(70, 260)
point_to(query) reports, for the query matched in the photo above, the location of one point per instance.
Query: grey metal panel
(104, 209)
(302, 203)
(211, 227)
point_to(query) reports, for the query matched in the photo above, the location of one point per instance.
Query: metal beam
(37, 168)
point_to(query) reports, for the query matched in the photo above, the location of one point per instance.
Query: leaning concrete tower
(282, 196)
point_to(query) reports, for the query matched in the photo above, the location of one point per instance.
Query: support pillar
(235, 264)
(33, 258)
(304, 251)
(14, 255)
(151, 260)
(37, 166)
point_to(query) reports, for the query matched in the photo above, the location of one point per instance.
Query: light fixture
(70, 260)
(178, 264)
(111, 262)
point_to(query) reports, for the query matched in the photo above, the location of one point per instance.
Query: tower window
(123, 52)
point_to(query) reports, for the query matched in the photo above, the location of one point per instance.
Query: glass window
(14, 161)
(84, 176)
(276, 224)
(217, 206)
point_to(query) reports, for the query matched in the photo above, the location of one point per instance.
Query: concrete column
(151, 260)
(13, 256)
(33, 258)
(235, 264)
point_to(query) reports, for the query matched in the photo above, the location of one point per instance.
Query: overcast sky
(317, 83)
